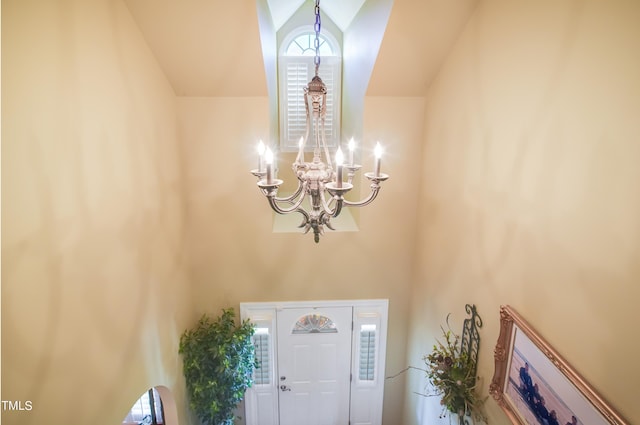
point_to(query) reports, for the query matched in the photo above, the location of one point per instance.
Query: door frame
(366, 396)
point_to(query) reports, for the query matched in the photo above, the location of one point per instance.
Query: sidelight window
(367, 360)
(262, 374)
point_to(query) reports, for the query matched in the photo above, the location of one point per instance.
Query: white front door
(314, 365)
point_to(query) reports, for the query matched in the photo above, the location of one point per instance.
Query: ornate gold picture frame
(534, 385)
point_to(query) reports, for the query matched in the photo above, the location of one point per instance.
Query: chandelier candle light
(318, 177)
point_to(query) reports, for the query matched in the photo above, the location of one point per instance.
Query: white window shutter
(295, 74)
(296, 79)
(262, 374)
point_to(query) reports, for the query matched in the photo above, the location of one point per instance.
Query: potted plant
(451, 371)
(218, 362)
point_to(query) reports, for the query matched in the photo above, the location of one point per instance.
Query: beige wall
(94, 292)
(531, 194)
(235, 256)
(529, 198)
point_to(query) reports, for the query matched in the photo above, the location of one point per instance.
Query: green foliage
(451, 372)
(218, 363)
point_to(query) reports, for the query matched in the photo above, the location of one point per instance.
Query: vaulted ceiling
(213, 48)
(340, 12)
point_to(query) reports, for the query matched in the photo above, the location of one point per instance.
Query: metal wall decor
(470, 341)
(470, 345)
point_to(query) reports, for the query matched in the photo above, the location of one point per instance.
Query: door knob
(282, 378)
(285, 388)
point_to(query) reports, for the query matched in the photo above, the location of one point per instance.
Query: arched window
(314, 324)
(147, 410)
(303, 45)
(296, 68)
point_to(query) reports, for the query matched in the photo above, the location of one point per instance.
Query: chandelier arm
(375, 188)
(308, 118)
(335, 211)
(330, 203)
(338, 209)
(291, 198)
(324, 142)
(273, 201)
(317, 138)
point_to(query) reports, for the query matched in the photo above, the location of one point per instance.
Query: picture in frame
(534, 385)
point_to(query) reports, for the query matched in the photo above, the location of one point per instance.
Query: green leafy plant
(218, 362)
(452, 373)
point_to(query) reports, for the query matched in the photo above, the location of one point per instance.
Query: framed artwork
(534, 385)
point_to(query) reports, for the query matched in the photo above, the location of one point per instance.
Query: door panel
(314, 365)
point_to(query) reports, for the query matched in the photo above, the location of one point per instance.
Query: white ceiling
(213, 48)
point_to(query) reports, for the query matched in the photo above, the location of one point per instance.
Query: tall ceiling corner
(218, 48)
(282, 10)
(417, 40)
(205, 48)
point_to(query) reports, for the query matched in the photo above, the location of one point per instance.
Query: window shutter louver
(367, 358)
(296, 80)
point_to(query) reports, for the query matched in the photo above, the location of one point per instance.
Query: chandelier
(319, 181)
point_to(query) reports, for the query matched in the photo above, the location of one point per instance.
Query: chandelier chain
(316, 42)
